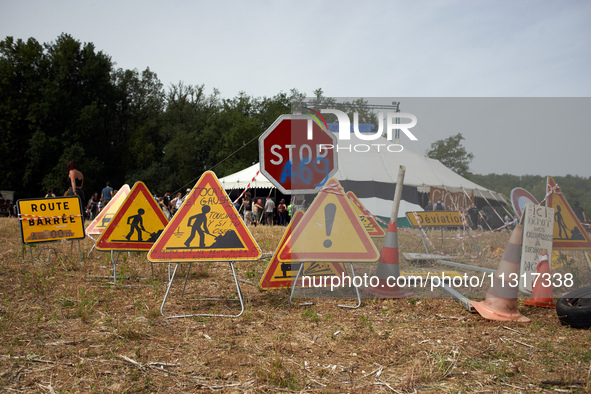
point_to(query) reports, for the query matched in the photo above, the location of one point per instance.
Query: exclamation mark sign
(330, 211)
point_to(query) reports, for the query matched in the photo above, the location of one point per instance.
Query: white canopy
(421, 171)
(244, 178)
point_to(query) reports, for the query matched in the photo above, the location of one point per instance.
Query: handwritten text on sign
(206, 227)
(538, 230)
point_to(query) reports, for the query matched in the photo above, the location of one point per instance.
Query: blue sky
(352, 49)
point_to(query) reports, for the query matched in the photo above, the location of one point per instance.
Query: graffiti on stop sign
(309, 160)
(295, 154)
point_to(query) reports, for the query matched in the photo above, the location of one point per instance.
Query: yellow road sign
(329, 231)
(281, 274)
(569, 233)
(137, 224)
(99, 224)
(371, 225)
(435, 219)
(206, 227)
(50, 219)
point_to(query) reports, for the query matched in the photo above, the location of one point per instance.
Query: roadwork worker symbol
(137, 224)
(198, 224)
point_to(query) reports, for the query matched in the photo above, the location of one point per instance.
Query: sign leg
(459, 297)
(240, 299)
(186, 279)
(294, 284)
(170, 279)
(356, 291)
(474, 242)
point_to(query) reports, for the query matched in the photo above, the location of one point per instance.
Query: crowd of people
(255, 212)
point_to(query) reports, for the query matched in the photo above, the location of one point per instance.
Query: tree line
(64, 101)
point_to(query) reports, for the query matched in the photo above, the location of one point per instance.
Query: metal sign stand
(53, 251)
(295, 282)
(459, 297)
(114, 261)
(171, 279)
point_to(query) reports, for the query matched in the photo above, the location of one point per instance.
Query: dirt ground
(64, 328)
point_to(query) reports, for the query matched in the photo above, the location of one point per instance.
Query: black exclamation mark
(330, 211)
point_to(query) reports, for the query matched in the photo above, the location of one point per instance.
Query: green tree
(23, 68)
(186, 144)
(452, 154)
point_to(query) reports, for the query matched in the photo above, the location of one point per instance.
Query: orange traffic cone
(388, 267)
(501, 298)
(541, 294)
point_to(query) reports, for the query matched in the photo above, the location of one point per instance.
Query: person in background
(50, 193)
(75, 182)
(166, 201)
(580, 212)
(473, 215)
(176, 202)
(269, 210)
(107, 194)
(237, 206)
(93, 205)
(282, 211)
(256, 210)
(12, 210)
(247, 205)
(187, 192)
(440, 206)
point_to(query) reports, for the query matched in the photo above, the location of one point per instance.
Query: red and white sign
(520, 197)
(297, 155)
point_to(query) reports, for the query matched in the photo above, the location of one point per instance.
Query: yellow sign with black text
(435, 219)
(50, 219)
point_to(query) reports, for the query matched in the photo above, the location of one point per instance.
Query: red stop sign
(297, 155)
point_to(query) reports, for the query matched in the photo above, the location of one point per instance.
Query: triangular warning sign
(99, 224)
(276, 274)
(206, 227)
(281, 274)
(569, 233)
(369, 222)
(329, 231)
(137, 224)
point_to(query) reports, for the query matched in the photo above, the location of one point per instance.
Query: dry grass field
(64, 328)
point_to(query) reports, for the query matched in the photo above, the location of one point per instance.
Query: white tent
(250, 177)
(372, 175)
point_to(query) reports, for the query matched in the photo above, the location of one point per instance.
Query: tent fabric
(243, 178)
(421, 171)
